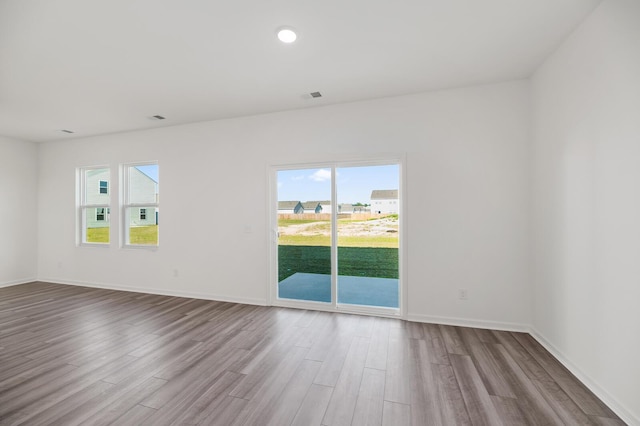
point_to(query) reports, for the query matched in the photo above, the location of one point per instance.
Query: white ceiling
(99, 67)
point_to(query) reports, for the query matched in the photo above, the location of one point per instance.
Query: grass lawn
(352, 261)
(358, 255)
(304, 240)
(98, 235)
(144, 235)
(138, 235)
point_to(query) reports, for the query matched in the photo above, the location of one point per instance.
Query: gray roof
(322, 203)
(384, 194)
(310, 205)
(287, 205)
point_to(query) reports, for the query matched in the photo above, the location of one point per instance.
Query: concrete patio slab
(367, 291)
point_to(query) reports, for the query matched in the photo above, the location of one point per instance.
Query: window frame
(83, 206)
(126, 205)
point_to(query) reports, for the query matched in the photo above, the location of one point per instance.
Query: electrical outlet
(463, 294)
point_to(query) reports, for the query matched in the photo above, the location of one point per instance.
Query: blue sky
(150, 170)
(354, 184)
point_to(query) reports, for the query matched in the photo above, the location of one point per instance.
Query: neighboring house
(384, 201)
(290, 207)
(312, 207)
(98, 191)
(142, 190)
(350, 209)
(325, 205)
(345, 208)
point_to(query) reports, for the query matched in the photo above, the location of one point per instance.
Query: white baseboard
(623, 412)
(161, 292)
(17, 282)
(464, 322)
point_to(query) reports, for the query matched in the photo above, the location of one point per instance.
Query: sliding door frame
(272, 240)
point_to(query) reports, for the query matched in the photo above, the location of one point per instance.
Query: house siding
(93, 177)
(385, 201)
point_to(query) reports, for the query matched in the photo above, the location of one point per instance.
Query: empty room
(320, 213)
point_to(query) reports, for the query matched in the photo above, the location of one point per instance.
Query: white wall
(586, 168)
(18, 211)
(467, 191)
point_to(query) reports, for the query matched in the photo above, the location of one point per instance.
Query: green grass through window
(98, 235)
(352, 261)
(146, 235)
(304, 245)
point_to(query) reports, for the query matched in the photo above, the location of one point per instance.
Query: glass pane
(143, 225)
(368, 224)
(304, 234)
(143, 184)
(96, 225)
(96, 183)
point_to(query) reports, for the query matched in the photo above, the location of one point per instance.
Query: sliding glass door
(338, 236)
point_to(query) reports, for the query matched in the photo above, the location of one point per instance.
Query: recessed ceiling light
(287, 35)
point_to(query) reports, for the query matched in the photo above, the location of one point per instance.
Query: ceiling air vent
(316, 94)
(157, 117)
(67, 131)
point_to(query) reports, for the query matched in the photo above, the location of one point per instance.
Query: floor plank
(314, 406)
(345, 394)
(294, 393)
(395, 414)
(370, 402)
(479, 404)
(397, 387)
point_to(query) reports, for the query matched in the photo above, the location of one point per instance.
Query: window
(100, 213)
(141, 204)
(94, 203)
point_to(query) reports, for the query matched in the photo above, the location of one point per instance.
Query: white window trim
(82, 206)
(125, 205)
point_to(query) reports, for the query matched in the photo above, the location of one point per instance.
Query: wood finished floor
(73, 355)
